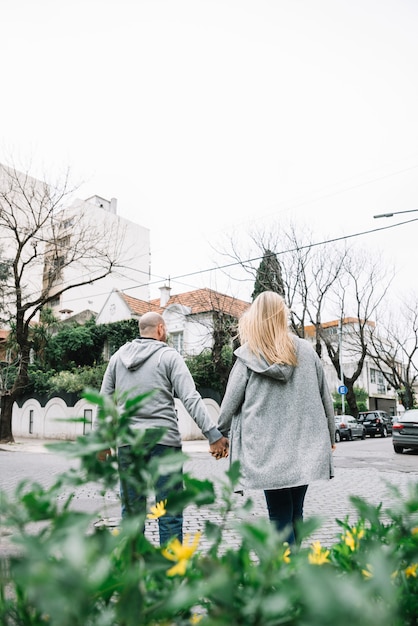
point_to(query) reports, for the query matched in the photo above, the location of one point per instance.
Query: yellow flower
(158, 510)
(352, 538)
(414, 531)
(359, 532)
(181, 553)
(286, 555)
(368, 572)
(195, 618)
(349, 540)
(318, 554)
(115, 532)
(411, 570)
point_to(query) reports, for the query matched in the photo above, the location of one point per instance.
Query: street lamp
(395, 213)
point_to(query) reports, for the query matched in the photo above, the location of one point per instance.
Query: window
(31, 422)
(381, 387)
(176, 341)
(55, 302)
(377, 377)
(88, 418)
(332, 330)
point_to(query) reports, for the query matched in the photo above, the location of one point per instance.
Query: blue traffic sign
(342, 389)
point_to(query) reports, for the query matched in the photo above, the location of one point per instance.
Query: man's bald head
(152, 325)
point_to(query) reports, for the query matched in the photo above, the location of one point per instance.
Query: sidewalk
(26, 444)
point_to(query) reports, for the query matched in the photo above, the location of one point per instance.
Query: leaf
(234, 473)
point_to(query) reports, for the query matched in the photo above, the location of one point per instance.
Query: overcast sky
(206, 117)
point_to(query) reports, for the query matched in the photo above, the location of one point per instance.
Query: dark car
(405, 431)
(347, 427)
(376, 423)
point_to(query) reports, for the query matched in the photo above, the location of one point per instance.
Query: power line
(309, 245)
(258, 258)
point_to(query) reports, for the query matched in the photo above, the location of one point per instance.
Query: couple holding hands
(277, 410)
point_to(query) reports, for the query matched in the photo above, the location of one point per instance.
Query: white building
(381, 395)
(126, 241)
(55, 246)
(190, 317)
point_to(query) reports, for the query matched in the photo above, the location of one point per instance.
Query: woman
(278, 412)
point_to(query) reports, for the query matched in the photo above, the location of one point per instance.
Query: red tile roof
(310, 330)
(199, 301)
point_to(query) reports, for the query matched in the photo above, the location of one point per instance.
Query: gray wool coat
(280, 420)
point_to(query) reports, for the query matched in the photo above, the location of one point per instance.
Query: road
(362, 468)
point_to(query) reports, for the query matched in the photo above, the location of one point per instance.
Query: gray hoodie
(280, 420)
(147, 364)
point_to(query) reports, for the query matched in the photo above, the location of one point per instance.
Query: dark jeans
(285, 507)
(169, 525)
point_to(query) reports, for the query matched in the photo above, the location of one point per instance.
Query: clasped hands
(220, 449)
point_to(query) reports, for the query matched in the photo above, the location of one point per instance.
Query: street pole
(340, 333)
(394, 213)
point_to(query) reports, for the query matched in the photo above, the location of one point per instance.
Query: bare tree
(394, 344)
(363, 286)
(43, 237)
(325, 281)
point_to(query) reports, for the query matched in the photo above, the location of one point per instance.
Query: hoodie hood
(136, 352)
(278, 371)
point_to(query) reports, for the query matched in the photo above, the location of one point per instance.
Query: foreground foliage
(69, 571)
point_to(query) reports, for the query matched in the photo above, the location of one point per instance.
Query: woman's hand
(220, 449)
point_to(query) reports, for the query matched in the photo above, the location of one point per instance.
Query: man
(147, 364)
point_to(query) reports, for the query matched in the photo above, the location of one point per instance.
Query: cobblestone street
(362, 468)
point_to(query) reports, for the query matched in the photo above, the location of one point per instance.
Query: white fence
(51, 421)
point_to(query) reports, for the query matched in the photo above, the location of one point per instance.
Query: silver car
(405, 431)
(349, 428)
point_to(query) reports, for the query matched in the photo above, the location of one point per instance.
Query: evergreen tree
(269, 276)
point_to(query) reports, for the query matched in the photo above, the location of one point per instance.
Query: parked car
(337, 430)
(376, 423)
(405, 431)
(348, 427)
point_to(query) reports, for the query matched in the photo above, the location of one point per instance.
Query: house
(190, 317)
(343, 335)
(191, 320)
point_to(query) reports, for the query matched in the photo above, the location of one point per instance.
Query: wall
(49, 421)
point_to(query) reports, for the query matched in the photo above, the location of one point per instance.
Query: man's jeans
(285, 507)
(169, 525)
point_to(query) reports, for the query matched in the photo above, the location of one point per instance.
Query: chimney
(165, 293)
(113, 205)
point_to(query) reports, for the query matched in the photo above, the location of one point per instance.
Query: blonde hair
(264, 327)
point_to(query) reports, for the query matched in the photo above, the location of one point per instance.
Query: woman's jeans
(169, 525)
(285, 507)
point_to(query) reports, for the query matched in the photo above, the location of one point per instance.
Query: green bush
(68, 572)
(207, 373)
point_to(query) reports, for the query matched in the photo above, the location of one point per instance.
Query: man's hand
(104, 454)
(220, 449)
